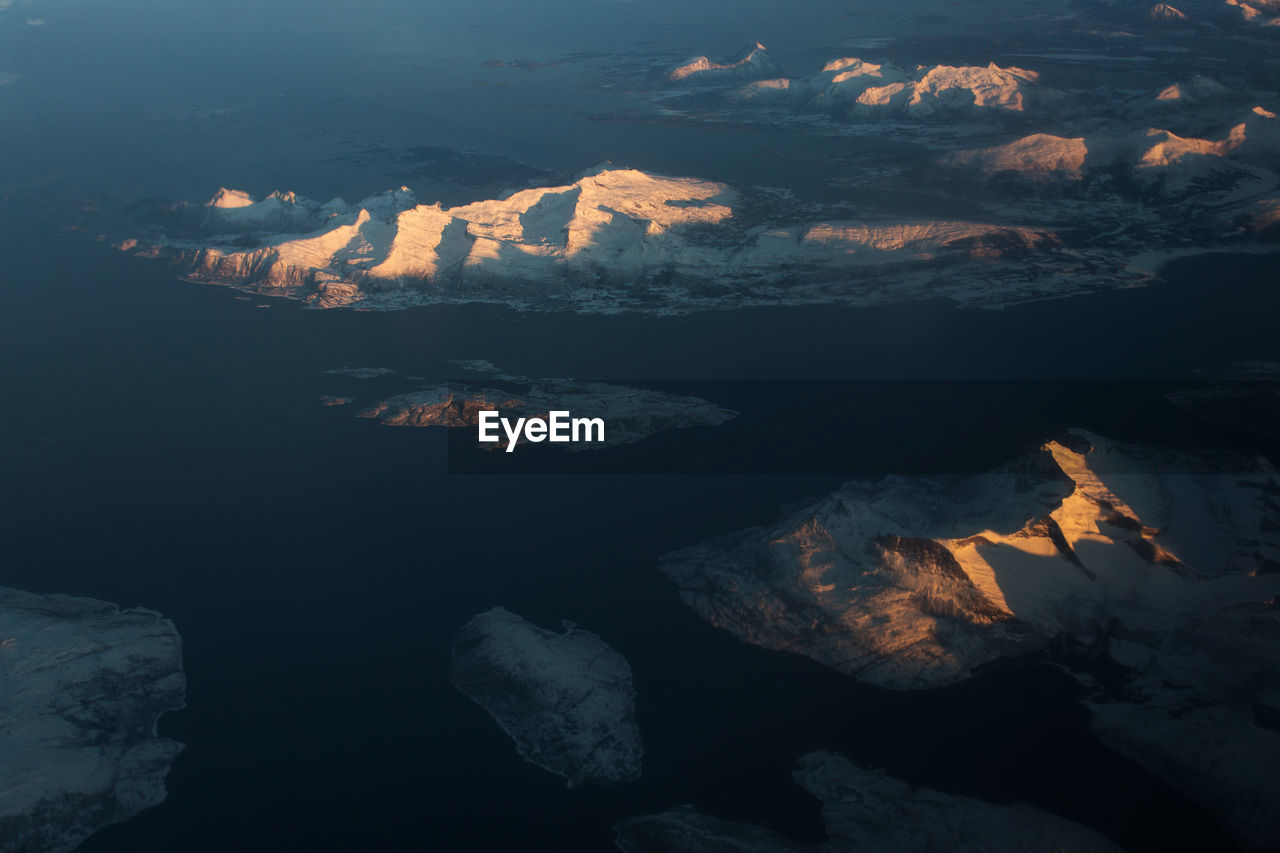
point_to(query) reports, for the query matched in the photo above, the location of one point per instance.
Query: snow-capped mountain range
(1071, 190)
(858, 87)
(614, 239)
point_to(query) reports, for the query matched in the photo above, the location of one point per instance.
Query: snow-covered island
(613, 240)
(82, 686)
(566, 699)
(1162, 563)
(863, 810)
(625, 240)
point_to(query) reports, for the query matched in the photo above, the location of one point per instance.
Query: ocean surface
(165, 446)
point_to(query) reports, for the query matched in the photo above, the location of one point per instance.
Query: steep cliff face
(82, 685)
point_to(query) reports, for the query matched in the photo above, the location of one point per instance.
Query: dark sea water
(164, 445)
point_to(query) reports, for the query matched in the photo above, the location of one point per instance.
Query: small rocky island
(82, 686)
(566, 699)
(633, 414)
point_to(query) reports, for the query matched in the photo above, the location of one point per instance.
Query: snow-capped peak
(1163, 13)
(226, 198)
(752, 63)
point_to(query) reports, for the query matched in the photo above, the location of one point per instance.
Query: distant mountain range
(615, 239)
